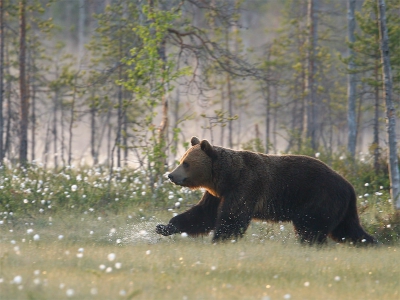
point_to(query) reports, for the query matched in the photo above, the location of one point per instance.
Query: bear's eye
(185, 164)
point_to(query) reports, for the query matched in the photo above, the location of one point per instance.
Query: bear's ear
(208, 149)
(194, 141)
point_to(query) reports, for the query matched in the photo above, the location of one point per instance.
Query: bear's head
(195, 168)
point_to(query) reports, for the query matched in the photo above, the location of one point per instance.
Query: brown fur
(244, 185)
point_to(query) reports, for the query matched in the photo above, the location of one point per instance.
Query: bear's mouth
(180, 182)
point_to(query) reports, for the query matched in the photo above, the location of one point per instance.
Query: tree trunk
(1, 79)
(311, 108)
(71, 124)
(24, 104)
(351, 82)
(8, 93)
(55, 132)
(390, 111)
(375, 142)
(162, 138)
(81, 28)
(93, 130)
(33, 108)
(230, 99)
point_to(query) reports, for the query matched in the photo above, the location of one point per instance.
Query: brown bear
(243, 185)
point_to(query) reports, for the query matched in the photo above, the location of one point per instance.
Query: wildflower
(148, 252)
(118, 265)
(337, 278)
(70, 292)
(184, 234)
(102, 267)
(306, 284)
(367, 184)
(287, 296)
(111, 256)
(29, 231)
(109, 270)
(17, 279)
(93, 291)
(36, 237)
(317, 154)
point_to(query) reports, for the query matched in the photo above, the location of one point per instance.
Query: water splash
(143, 233)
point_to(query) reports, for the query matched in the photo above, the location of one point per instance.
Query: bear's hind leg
(350, 230)
(312, 229)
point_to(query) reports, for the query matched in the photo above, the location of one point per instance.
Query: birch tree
(390, 110)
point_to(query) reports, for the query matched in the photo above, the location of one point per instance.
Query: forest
(100, 98)
(127, 83)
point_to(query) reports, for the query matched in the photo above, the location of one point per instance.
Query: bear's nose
(170, 176)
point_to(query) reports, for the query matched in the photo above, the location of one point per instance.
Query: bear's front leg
(200, 219)
(233, 219)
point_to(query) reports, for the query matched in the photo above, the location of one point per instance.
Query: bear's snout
(176, 178)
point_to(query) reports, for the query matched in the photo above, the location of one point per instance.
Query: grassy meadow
(82, 233)
(120, 257)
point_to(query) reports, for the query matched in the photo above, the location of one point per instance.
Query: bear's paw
(166, 229)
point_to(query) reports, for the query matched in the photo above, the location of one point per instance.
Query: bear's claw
(166, 229)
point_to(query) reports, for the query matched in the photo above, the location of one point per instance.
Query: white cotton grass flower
(70, 292)
(102, 267)
(60, 237)
(109, 270)
(307, 284)
(148, 252)
(337, 278)
(74, 188)
(29, 231)
(36, 237)
(287, 296)
(111, 256)
(17, 279)
(93, 291)
(184, 234)
(118, 265)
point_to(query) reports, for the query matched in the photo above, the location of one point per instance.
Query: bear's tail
(349, 229)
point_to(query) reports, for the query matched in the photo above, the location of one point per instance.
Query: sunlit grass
(120, 257)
